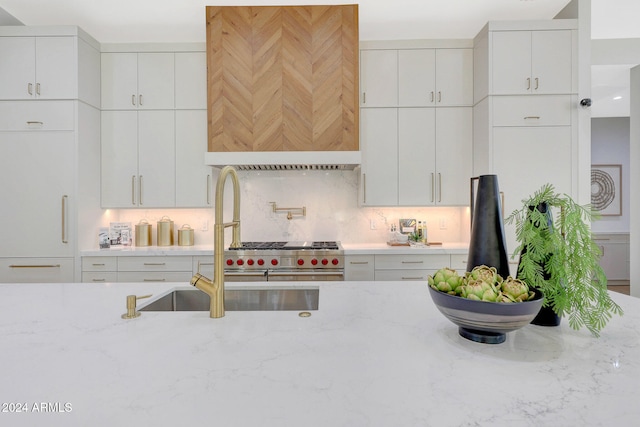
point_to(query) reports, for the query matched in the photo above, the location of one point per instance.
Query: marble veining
(374, 354)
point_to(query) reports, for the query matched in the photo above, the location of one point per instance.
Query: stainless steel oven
(285, 261)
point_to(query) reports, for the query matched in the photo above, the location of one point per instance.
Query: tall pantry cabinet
(49, 137)
(416, 123)
(525, 109)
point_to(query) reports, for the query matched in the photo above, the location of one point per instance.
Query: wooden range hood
(283, 86)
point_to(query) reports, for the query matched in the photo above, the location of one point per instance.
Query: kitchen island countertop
(374, 354)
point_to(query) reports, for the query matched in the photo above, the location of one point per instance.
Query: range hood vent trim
(283, 161)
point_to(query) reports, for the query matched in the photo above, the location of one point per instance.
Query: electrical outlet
(372, 224)
(205, 225)
(443, 223)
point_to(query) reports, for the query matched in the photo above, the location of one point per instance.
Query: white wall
(330, 198)
(610, 145)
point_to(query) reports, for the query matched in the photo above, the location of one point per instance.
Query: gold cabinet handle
(532, 118)
(412, 262)
(131, 306)
(154, 280)
(358, 262)
(536, 87)
(37, 88)
(155, 263)
(133, 99)
(30, 88)
(412, 278)
(65, 199)
(439, 96)
(439, 187)
(34, 266)
(364, 97)
(133, 190)
(140, 99)
(433, 187)
(528, 83)
(432, 96)
(208, 189)
(364, 188)
(140, 191)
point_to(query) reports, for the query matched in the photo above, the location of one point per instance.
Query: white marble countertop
(374, 354)
(349, 249)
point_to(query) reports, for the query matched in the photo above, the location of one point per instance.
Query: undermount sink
(240, 299)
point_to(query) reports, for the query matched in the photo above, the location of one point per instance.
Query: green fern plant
(559, 257)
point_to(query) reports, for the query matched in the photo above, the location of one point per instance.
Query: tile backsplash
(332, 211)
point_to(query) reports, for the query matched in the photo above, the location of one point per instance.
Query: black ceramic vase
(487, 244)
(546, 316)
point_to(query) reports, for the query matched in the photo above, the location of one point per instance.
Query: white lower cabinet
(359, 268)
(203, 265)
(36, 270)
(615, 260)
(397, 267)
(409, 267)
(137, 269)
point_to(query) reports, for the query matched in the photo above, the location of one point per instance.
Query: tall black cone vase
(487, 245)
(546, 316)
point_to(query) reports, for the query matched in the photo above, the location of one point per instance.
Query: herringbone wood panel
(282, 78)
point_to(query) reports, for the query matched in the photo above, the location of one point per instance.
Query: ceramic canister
(143, 233)
(185, 235)
(165, 231)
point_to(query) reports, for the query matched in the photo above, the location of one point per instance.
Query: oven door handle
(246, 273)
(305, 273)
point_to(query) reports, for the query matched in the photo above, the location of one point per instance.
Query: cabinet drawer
(411, 262)
(36, 115)
(203, 265)
(36, 270)
(154, 276)
(359, 268)
(99, 276)
(155, 263)
(532, 110)
(99, 263)
(404, 275)
(459, 262)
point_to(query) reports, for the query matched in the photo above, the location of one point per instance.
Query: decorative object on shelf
(290, 211)
(164, 231)
(407, 225)
(606, 189)
(143, 233)
(483, 304)
(560, 258)
(487, 245)
(185, 235)
(119, 234)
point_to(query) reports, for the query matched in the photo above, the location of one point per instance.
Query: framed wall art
(606, 189)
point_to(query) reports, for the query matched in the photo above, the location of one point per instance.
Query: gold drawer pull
(154, 280)
(358, 262)
(35, 266)
(412, 262)
(154, 263)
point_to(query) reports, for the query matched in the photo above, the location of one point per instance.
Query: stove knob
(249, 261)
(314, 261)
(300, 261)
(229, 262)
(325, 261)
(335, 261)
(240, 262)
(260, 261)
(274, 262)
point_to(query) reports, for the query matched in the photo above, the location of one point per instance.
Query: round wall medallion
(603, 189)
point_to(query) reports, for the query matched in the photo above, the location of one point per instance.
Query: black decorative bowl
(486, 322)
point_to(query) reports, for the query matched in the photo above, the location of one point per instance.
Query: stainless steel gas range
(284, 261)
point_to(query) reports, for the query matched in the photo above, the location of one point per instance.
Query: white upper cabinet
(138, 81)
(194, 179)
(379, 78)
(379, 145)
(531, 62)
(38, 68)
(138, 159)
(435, 77)
(191, 80)
(416, 77)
